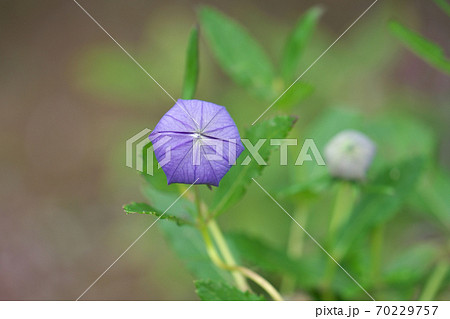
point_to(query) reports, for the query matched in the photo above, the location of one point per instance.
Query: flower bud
(349, 154)
(201, 142)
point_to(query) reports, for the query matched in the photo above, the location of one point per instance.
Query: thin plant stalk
(226, 253)
(434, 282)
(198, 202)
(256, 278)
(220, 241)
(376, 251)
(343, 206)
(295, 245)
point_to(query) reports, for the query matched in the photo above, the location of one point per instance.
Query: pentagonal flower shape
(196, 140)
(349, 154)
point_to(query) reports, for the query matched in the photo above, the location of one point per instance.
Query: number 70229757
(406, 310)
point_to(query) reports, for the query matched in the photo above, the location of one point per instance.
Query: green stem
(211, 250)
(342, 208)
(263, 283)
(198, 202)
(220, 240)
(330, 270)
(343, 205)
(226, 253)
(434, 281)
(296, 238)
(376, 250)
(295, 245)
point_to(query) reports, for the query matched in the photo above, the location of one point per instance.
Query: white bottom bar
(225, 309)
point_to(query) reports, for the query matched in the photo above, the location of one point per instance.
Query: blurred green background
(71, 98)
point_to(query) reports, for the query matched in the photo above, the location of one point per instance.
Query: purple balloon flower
(196, 140)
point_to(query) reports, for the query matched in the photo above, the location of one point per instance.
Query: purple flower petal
(196, 140)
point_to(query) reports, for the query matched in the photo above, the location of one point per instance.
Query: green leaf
(358, 264)
(297, 42)
(376, 208)
(192, 67)
(313, 186)
(186, 242)
(143, 208)
(427, 50)
(233, 186)
(297, 93)
(189, 246)
(432, 196)
(209, 290)
(392, 135)
(238, 53)
(444, 5)
(409, 267)
(154, 175)
(251, 250)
